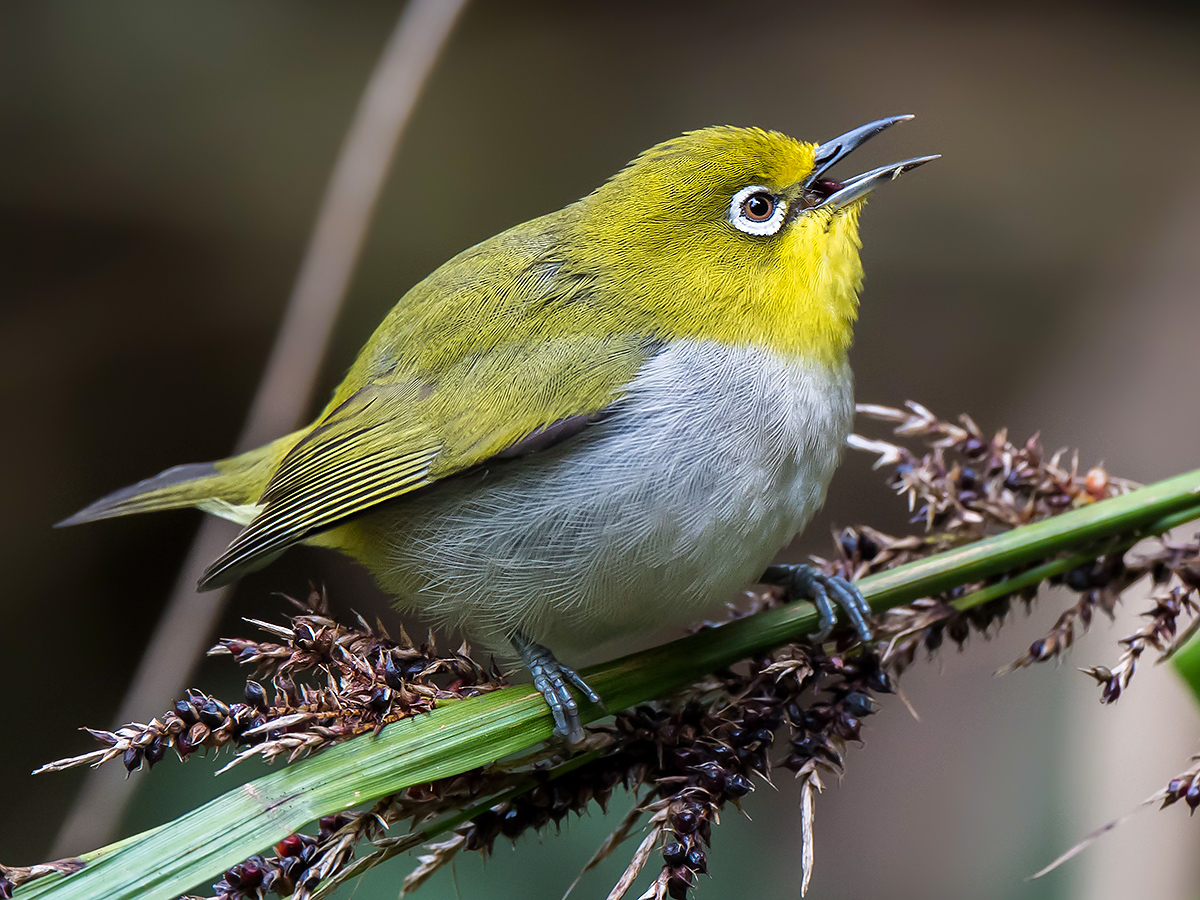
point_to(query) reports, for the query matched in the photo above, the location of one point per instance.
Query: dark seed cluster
(701, 752)
(1173, 569)
(691, 757)
(1184, 787)
(967, 485)
(1158, 633)
(1099, 585)
(363, 680)
(688, 762)
(821, 730)
(707, 760)
(294, 868)
(551, 801)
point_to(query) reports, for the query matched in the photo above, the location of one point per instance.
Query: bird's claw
(809, 582)
(553, 680)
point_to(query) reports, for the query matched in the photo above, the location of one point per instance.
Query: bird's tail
(228, 488)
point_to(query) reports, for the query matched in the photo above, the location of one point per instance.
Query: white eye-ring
(755, 210)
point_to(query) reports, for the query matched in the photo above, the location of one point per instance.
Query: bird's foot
(553, 679)
(810, 583)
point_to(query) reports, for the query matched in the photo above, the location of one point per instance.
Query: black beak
(838, 194)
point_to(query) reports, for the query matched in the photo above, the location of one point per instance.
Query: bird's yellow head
(737, 235)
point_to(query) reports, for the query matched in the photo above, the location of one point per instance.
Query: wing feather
(459, 375)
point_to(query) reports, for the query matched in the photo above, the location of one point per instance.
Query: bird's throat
(807, 302)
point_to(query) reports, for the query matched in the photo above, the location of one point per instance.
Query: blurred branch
(464, 735)
(285, 391)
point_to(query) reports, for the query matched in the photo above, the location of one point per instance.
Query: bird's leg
(809, 582)
(552, 678)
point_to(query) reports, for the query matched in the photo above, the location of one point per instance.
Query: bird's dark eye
(756, 210)
(758, 207)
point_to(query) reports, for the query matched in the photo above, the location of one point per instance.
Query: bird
(605, 420)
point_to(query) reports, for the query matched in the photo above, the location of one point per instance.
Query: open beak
(823, 193)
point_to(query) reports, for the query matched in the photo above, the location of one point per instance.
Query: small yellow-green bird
(602, 421)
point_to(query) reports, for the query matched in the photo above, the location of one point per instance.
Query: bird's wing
(416, 425)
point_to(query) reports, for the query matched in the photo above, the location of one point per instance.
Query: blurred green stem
(166, 861)
(1187, 663)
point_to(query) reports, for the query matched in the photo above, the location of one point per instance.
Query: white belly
(714, 460)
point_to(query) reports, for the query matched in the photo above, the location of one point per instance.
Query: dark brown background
(161, 167)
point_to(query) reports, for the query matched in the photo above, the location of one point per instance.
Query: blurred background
(162, 167)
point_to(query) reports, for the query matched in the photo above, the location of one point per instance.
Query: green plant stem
(452, 821)
(1038, 574)
(1186, 663)
(166, 861)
